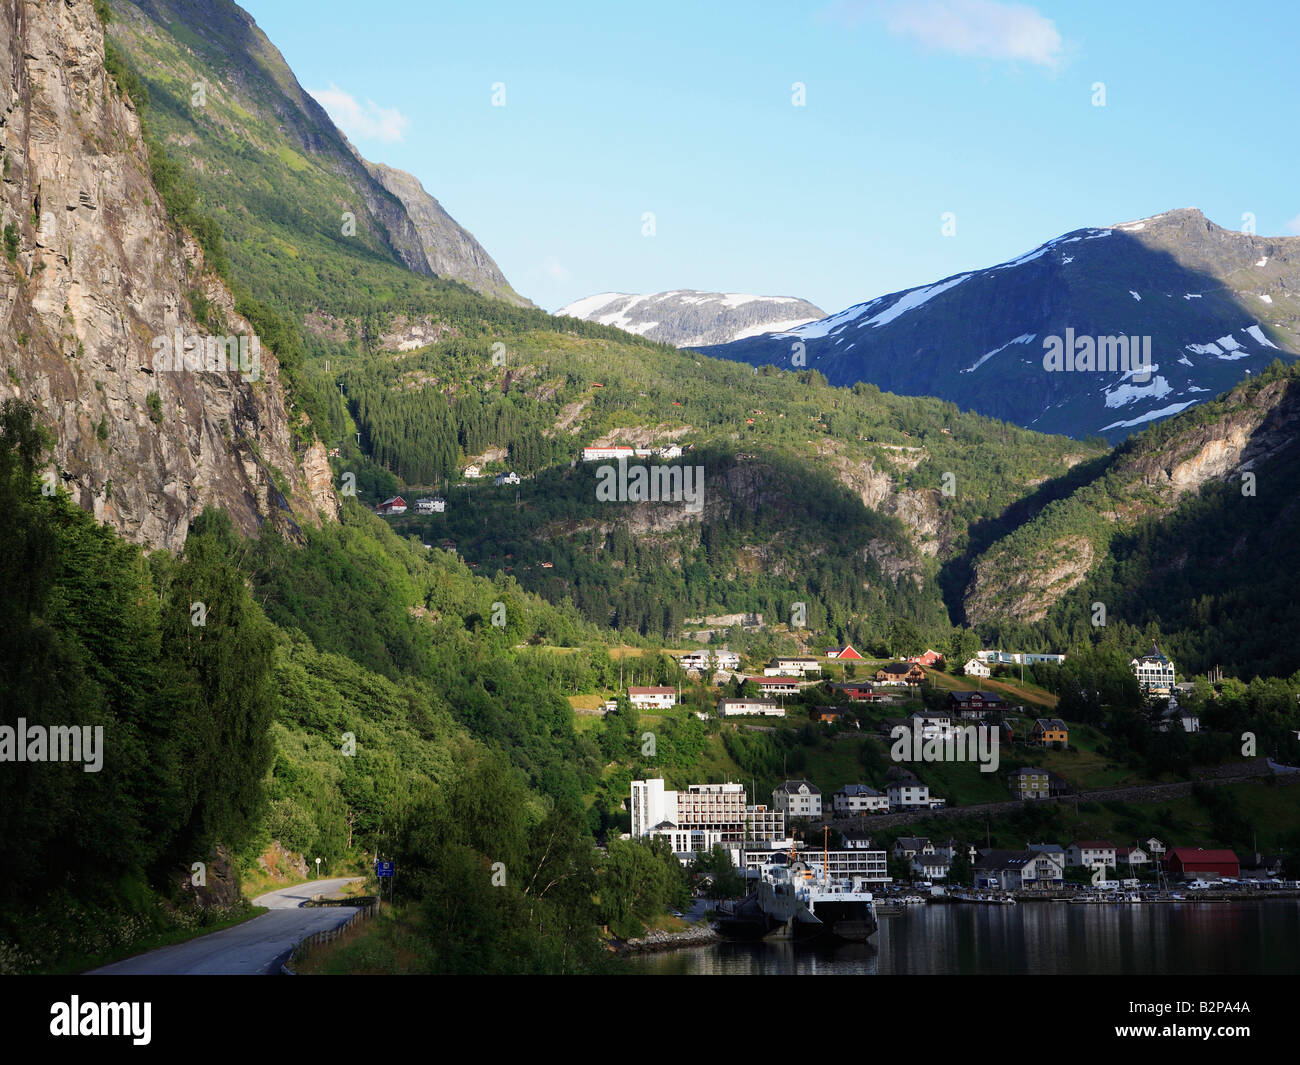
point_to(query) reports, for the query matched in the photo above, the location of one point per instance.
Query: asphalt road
(256, 947)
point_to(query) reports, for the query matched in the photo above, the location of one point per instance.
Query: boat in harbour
(794, 899)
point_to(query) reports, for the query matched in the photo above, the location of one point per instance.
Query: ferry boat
(794, 899)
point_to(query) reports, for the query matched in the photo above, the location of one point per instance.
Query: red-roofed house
(1192, 862)
(930, 658)
(846, 651)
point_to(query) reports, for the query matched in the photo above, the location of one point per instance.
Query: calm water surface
(1042, 937)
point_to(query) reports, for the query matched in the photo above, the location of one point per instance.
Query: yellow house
(1051, 730)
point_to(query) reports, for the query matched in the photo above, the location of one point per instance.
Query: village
(802, 816)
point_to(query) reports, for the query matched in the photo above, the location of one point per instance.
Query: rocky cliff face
(1149, 480)
(98, 274)
(449, 250)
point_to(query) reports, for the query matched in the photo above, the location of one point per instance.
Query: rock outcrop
(97, 279)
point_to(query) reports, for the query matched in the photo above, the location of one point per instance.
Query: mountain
(1192, 525)
(95, 276)
(277, 175)
(449, 250)
(686, 318)
(1217, 305)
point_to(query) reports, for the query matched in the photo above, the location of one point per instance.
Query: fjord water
(1046, 937)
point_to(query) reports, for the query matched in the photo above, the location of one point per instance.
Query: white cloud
(1292, 226)
(368, 122)
(555, 269)
(985, 29)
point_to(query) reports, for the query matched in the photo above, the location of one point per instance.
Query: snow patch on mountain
(1149, 416)
(1130, 393)
(1259, 336)
(1023, 338)
(688, 318)
(909, 301)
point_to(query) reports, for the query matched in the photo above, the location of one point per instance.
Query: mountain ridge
(1215, 304)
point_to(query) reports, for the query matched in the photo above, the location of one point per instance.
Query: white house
(1131, 856)
(798, 798)
(473, 470)
(670, 451)
(507, 478)
(703, 660)
(1154, 672)
(1088, 853)
(931, 726)
(750, 707)
(1015, 870)
(655, 698)
(857, 799)
(776, 685)
(976, 668)
(430, 505)
(595, 454)
(1154, 848)
(910, 846)
(930, 866)
(904, 795)
(783, 666)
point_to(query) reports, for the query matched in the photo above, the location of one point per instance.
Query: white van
(1198, 885)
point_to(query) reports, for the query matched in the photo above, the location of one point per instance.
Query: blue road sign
(383, 869)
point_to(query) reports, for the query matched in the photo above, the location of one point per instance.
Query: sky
(831, 150)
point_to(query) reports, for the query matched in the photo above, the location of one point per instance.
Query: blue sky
(981, 108)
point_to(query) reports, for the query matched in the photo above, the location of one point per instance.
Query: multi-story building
(910, 793)
(1016, 870)
(854, 800)
(707, 813)
(776, 685)
(595, 454)
(430, 505)
(653, 698)
(1031, 783)
(1090, 853)
(750, 707)
(705, 660)
(798, 798)
(1154, 672)
(1050, 730)
(783, 666)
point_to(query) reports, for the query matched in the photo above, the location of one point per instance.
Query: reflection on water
(1043, 937)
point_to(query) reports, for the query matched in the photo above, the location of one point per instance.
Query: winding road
(256, 947)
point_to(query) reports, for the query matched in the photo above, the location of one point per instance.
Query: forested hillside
(1190, 527)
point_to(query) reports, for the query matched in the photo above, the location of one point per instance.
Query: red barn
(846, 651)
(930, 658)
(1193, 861)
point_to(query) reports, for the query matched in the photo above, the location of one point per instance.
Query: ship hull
(849, 921)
